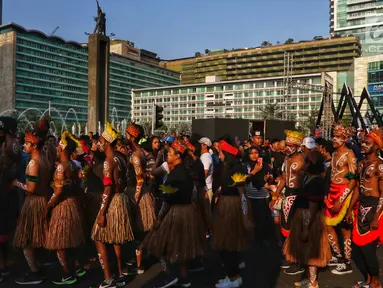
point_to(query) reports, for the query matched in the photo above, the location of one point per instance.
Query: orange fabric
(370, 236)
(336, 190)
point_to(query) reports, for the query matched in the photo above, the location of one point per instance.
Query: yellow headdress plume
(109, 134)
(294, 137)
(64, 140)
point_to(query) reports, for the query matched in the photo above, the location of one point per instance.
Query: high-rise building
(360, 18)
(316, 56)
(231, 99)
(36, 69)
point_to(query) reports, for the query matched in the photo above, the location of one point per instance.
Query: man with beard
(343, 169)
(112, 225)
(145, 216)
(10, 160)
(292, 179)
(368, 225)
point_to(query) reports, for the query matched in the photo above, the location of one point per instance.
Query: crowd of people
(174, 195)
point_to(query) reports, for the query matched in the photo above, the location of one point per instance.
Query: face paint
(60, 260)
(101, 261)
(290, 150)
(29, 262)
(338, 141)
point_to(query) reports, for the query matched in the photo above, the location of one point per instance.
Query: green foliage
(289, 41)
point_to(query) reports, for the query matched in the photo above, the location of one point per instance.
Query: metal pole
(1, 12)
(49, 104)
(153, 117)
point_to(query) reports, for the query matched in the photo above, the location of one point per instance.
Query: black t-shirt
(227, 182)
(278, 160)
(180, 179)
(313, 191)
(197, 172)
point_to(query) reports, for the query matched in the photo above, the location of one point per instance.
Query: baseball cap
(309, 142)
(206, 141)
(169, 139)
(258, 133)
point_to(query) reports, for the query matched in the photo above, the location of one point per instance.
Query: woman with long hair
(178, 235)
(232, 225)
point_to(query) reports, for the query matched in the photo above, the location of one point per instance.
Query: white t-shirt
(207, 162)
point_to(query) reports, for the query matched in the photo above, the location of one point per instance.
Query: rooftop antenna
(54, 31)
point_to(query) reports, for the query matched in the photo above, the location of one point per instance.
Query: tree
(309, 125)
(289, 41)
(207, 51)
(266, 44)
(316, 38)
(278, 43)
(271, 112)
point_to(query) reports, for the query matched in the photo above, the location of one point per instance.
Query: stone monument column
(98, 80)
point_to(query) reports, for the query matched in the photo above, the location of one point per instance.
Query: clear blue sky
(178, 28)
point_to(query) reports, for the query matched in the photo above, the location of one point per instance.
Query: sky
(177, 28)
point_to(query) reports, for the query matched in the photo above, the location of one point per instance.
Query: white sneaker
(229, 284)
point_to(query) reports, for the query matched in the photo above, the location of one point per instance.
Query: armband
(107, 181)
(350, 176)
(34, 179)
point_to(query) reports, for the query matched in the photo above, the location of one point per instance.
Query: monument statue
(100, 21)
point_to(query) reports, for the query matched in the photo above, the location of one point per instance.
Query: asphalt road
(262, 270)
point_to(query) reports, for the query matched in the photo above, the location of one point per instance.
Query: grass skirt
(31, 226)
(66, 227)
(118, 229)
(316, 251)
(146, 212)
(180, 236)
(229, 233)
(204, 207)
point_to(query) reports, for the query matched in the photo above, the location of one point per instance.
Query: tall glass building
(360, 18)
(36, 69)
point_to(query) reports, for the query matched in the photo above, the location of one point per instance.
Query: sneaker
(303, 284)
(168, 282)
(285, 264)
(207, 234)
(294, 270)
(135, 271)
(334, 261)
(108, 284)
(132, 262)
(198, 267)
(80, 272)
(229, 284)
(241, 265)
(184, 283)
(65, 280)
(120, 281)
(32, 278)
(4, 272)
(224, 279)
(342, 269)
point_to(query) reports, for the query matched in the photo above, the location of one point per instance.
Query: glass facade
(361, 19)
(49, 69)
(226, 100)
(375, 83)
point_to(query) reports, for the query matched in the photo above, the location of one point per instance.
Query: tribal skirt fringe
(66, 226)
(180, 236)
(31, 226)
(146, 215)
(118, 229)
(229, 233)
(203, 202)
(314, 252)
